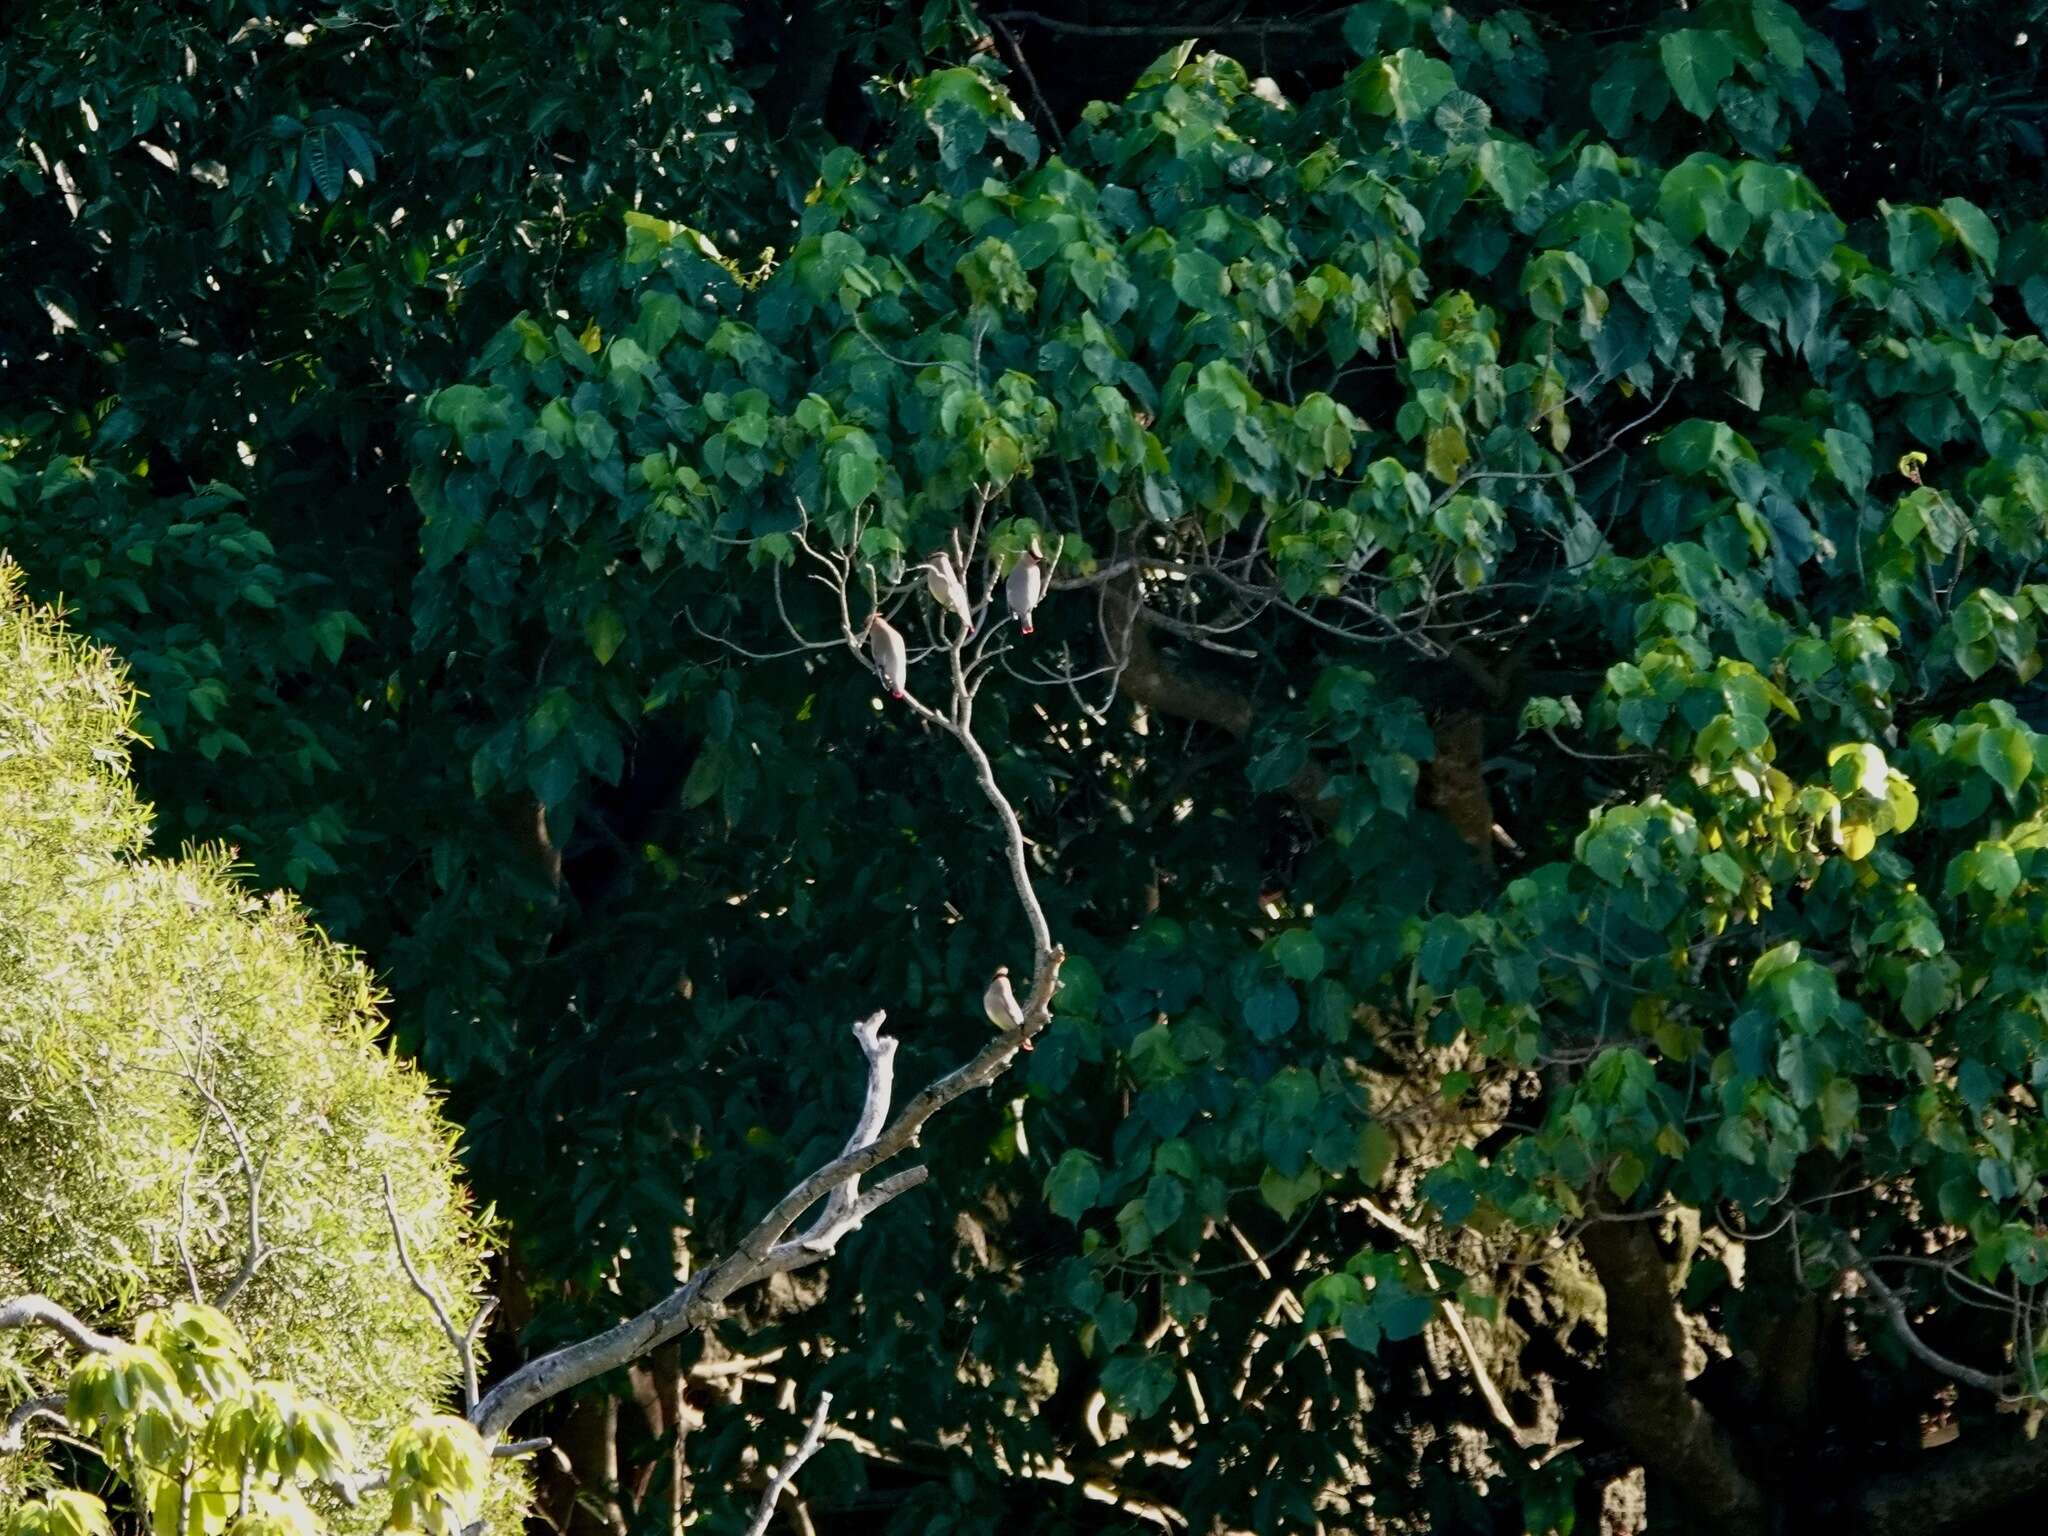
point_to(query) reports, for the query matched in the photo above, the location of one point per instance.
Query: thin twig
(814, 1437)
(1895, 1309)
(462, 1341)
(257, 1250)
(1454, 1319)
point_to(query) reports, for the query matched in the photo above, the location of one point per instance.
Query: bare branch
(256, 1250)
(763, 1252)
(41, 1312)
(814, 1437)
(185, 1217)
(837, 1218)
(462, 1341)
(1454, 1319)
(767, 1249)
(1895, 1309)
(14, 1436)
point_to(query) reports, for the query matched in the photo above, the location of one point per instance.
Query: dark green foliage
(1551, 424)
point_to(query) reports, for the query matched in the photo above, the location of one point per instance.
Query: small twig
(257, 1249)
(814, 1437)
(185, 1217)
(1454, 1319)
(1591, 757)
(1895, 1308)
(463, 1341)
(1052, 123)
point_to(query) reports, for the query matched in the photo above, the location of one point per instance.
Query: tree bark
(1957, 1487)
(1648, 1404)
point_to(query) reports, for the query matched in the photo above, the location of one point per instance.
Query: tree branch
(41, 1312)
(1649, 1406)
(763, 1252)
(14, 1436)
(1455, 1320)
(256, 1250)
(1895, 1309)
(462, 1341)
(814, 1437)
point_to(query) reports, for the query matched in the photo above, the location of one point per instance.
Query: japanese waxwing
(1026, 586)
(1001, 1004)
(892, 662)
(947, 590)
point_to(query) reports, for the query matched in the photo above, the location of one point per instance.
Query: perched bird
(1001, 1004)
(947, 589)
(892, 662)
(1026, 586)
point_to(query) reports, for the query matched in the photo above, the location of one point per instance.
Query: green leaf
(1116, 1319)
(1271, 1011)
(1165, 1198)
(606, 632)
(1212, 416)
(1300, 954)
(2007, 754)
(1375, 1153)
(325, 160)
(1723, 870)
(1138, 1385)
(1848, 461)
(1287, 1195)
(1362, 27)
(1926, 994)
(1198, 280)
(855, 476)
(1447, 453)
(1512, 170)
(706, 777)
(1074, 1185)
(550, 717)
(1696, 61)
(1782, 32)
(1804, 994)
(1411, 85)
(1979, 236)
(1691, 193)
(1625, 1175)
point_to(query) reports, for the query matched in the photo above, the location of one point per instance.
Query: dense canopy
(1529, 743)
(175, 1047)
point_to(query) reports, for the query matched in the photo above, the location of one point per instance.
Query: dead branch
(814, 1437)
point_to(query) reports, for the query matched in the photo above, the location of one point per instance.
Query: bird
(892, 662)
(1001, 1004)
(1026, 586)
(947, 590)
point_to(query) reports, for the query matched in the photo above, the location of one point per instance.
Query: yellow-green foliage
(128, 982)
(207, 1450)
